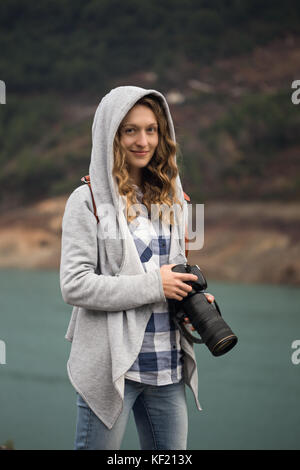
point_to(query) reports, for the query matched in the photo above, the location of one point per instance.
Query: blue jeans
(160, 414)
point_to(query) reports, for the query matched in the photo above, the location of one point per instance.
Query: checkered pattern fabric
(160, 359)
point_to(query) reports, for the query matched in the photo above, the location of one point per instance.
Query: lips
(139, 153)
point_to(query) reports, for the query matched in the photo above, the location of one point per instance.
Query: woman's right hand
(174, 284)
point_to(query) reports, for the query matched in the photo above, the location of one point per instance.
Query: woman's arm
(80, 285)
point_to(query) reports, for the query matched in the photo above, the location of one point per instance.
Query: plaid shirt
(160, 359)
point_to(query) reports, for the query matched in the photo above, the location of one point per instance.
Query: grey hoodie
(102, 276)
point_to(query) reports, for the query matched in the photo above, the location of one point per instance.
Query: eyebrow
(134, 125)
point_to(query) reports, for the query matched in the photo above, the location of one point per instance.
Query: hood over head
(109, 114)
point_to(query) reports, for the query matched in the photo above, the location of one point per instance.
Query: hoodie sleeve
(80, 285)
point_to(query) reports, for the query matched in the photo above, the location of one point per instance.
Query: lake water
(250, 396)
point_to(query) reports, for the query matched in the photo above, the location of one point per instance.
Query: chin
(141, 164)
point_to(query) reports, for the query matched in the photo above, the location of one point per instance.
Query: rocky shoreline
(255, 242)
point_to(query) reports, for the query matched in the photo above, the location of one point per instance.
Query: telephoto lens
(205, 317)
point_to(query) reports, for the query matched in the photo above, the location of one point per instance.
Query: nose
(142, 139)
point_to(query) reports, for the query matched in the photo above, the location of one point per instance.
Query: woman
(126, 352)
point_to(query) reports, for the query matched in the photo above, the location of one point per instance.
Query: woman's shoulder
(80, 195)
(81, 192)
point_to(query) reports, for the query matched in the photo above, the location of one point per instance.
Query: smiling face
(139, 139)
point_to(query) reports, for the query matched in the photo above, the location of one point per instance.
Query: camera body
(205, 317)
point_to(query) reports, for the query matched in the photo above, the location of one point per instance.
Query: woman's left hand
(210, 298)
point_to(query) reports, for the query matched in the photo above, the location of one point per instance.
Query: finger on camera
(186, 287)
(209, 297)
(178, 297)
(182, 284)
(187, 277)
(181, 293)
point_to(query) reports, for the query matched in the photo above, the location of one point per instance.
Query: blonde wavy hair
(158, 177)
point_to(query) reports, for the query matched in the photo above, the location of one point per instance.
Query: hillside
(239, 137)
(234, 120)
(243, 242)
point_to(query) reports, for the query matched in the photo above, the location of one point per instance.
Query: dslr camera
(205, 317)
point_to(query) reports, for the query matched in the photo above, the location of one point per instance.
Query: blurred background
(226, 69)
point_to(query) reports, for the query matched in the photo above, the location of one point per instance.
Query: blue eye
(131, 130)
